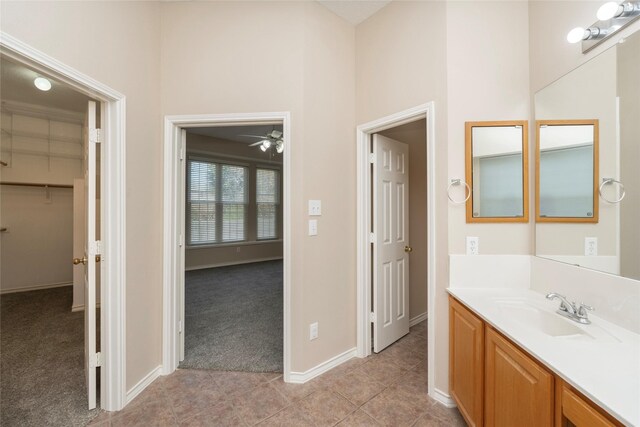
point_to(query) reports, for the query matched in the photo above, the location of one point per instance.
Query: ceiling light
(608, 11)
(42, 83)
(263, 148)
(280, 147)
(266, 144)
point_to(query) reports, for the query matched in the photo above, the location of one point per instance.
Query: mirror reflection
(497, 171)
(606, 89)
(566, 169)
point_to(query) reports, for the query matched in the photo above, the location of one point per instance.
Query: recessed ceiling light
(42, 83)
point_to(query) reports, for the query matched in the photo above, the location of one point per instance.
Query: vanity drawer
(575, 410)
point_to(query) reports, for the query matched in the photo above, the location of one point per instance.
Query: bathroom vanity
(514, 361)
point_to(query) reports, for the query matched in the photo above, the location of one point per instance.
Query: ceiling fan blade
(254, 136)
(255, 143)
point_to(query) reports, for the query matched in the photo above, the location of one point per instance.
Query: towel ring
(606, 181)
(458, 182)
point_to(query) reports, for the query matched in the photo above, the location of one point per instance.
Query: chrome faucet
(569, 309)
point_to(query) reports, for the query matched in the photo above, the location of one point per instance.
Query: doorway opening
(61, 139)
(233, 256)
(388, 239)
(226, 264)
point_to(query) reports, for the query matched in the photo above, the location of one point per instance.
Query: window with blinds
(267, 200)
(216, 202)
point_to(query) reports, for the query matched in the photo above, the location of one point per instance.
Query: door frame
(174, 251)
(364, 224)
(112, 211)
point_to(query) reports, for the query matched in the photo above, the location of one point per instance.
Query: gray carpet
(42, 360)
(233, 318)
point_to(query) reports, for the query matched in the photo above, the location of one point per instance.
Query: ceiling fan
(270, 139)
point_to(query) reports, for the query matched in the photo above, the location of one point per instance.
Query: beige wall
(118, 44)
(629, 93)
(207, 256)
(414, 134)
(240, 62)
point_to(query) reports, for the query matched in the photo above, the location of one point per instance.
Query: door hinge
(179, 326)
(372, 157)
(95, 135)
(180, 241)
(181, 153)
(372, 317)
(372, 237)
(98, 247)
(95, 360)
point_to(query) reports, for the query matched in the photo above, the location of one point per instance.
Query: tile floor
(386, 389)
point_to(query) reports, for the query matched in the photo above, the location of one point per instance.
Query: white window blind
(217, 199)
(268, 200)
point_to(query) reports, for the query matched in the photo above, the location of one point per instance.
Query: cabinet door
(518, 391)
(466, 361)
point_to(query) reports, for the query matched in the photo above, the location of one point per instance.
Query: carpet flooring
(233, 318)
(42, 360)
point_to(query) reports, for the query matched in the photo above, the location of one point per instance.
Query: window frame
(219, 205)
(278, 204)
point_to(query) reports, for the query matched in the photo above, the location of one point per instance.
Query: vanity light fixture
(612, 16)
(42, 84)
(613, 10)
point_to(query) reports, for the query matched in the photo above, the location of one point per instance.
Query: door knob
(98, 258)
(408, 249)
(82, 260)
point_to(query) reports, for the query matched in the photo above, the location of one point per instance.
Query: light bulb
(608, 11)
(266, 144)
(263, 148)
(280, 147)
(42, 83)
(575, 35)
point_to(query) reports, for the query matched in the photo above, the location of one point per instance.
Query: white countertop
(604, 366)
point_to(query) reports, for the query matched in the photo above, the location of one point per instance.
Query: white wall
(36, 249)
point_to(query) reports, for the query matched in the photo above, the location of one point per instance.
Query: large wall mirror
(567, 170)
(588, 177)
(497, 171)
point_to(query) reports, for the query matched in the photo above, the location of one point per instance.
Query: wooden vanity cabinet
(518, 390)
(496, 383)
(466, 362)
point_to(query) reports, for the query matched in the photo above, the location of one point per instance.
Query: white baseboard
(443, 398)
(419, 318)
(226, 264)
(34, 288)
(303, 377)
(143, 383)
(80, 307)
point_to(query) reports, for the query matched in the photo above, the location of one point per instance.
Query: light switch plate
(313, 227)
(472, 245)
(313, 331)
(590, 246)
(315, 208)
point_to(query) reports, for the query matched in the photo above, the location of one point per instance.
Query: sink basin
(548, 323)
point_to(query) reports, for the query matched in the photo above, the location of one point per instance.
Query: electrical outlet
(591, 246)
(313, 331)
(313, 227)
(315, 208)
(472, 245)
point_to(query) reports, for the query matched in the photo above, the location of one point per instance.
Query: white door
(391, 241)
(79, 241)
(91, 252)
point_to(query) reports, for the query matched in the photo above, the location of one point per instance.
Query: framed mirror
(567, 170)
(607, 89)
(497, 171)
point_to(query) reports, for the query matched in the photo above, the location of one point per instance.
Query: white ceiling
(354, 11)
(16, 83)
(233, 133)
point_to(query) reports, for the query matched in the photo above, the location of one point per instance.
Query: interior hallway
(387, 389)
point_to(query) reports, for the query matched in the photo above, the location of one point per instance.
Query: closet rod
(28, 184)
